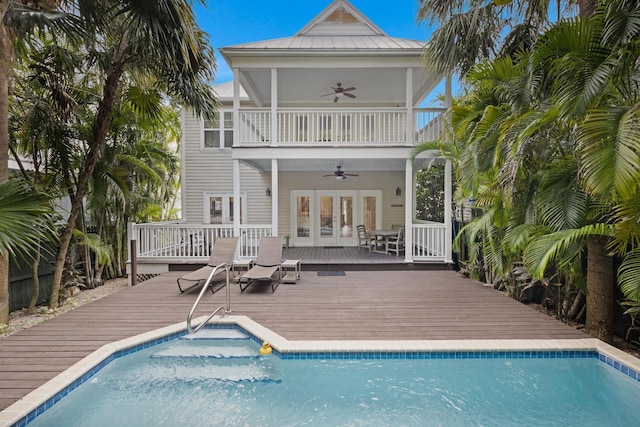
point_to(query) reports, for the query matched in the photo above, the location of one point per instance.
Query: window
(218, 208)
(219, 134)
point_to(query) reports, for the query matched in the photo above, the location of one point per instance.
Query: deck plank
(362, 305)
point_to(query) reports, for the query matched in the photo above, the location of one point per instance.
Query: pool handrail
(227, 310)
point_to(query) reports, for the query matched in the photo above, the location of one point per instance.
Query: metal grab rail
(193, 330)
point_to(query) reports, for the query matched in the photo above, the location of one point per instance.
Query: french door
(335, 217)
(329, 217)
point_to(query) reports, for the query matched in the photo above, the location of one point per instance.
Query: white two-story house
(314, 136)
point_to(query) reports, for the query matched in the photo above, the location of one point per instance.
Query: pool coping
(16, 413)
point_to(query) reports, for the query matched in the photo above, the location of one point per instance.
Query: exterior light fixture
(398, 192)
(268, 192)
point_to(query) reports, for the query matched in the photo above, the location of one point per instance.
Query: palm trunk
(600, 290)
(5, 50)
(99, 137)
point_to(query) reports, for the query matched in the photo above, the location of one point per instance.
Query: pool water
(224, 382)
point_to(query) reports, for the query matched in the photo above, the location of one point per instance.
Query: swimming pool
(222, 381)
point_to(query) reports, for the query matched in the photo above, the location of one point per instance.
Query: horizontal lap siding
(211, 170)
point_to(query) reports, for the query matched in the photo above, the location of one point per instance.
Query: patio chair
(364, 239)
(396, 243)
(222, 254)
(267, 264)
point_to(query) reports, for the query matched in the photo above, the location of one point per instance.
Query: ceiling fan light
(341, 177)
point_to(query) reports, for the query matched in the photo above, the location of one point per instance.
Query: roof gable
(340, 18)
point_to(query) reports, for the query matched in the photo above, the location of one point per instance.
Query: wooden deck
(380, 305)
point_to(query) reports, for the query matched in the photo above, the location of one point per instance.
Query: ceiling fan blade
(348, 89)
(351, 174)
(331, 174)
(335, 99)
(327, 94)
(350, 95)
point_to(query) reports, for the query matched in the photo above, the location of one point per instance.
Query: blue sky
(231, 22)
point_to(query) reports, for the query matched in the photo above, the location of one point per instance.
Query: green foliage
(546, 141)
(23, 218)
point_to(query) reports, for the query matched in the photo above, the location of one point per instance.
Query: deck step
(214, 352)
(216, 334)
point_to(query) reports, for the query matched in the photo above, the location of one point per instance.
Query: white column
(409, 104)
(447, 91)
(274, 197)
(448, 198)
(236, 163)
(236, 198)
(448, 212)
(236, 107)
(274, 107)
(409, 189)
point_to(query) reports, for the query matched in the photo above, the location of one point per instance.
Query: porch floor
(359, 305)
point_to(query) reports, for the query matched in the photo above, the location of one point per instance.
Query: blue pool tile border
(342, 355)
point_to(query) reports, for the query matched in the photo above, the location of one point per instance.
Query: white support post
(410, 134)
(448, 238)
(236, 107)
(409, 189)
(236, 198)
(448, 97)
(274, 197)
(274, 107)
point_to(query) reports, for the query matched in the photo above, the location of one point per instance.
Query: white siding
(211, 170)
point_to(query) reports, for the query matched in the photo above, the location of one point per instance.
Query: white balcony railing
(175, 241)
(429, 242)
(352, 127)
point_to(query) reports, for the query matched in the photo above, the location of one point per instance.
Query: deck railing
(179, 241)
(348, 127)
(429, 243)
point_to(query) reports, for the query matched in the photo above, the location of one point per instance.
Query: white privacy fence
(353, 127)
(177, 241)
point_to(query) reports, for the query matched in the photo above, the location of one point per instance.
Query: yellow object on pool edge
(266, 348)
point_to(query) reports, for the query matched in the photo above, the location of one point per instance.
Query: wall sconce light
(268, 192)
(398, 192)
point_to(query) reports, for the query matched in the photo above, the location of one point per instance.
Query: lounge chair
(267, 264)
(223, 252)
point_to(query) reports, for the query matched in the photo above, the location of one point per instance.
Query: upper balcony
(313, 127)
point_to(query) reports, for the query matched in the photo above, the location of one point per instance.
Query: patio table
(380, 240)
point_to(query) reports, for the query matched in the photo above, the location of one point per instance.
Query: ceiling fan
(338, 89)
(340, 174)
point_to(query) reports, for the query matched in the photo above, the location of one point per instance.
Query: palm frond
(629, 275)
(553, 246)
(23, 218)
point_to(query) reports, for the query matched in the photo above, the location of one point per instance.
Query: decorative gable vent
(342, 16)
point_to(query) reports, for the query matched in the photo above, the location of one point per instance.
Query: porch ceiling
(375, 87)
(329, 165)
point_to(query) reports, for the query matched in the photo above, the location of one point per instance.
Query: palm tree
(473, 31)
(17, 18)
(159, 39)
(563, 116)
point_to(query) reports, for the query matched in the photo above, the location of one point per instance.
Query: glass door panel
(369, 212)
(326, 216)
(303, 217)
(346, 218)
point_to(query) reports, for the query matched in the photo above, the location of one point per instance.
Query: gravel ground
(19, 320)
